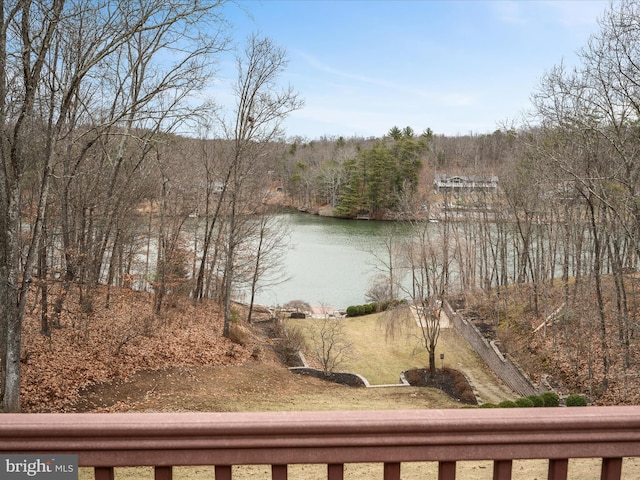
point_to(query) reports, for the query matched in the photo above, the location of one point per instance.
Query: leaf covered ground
(569, 342)
(112, 344)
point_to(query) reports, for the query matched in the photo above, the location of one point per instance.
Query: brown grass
(387, 344)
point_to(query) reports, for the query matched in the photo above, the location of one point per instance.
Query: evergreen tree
(350, 194)
(379, 163)
(377, 177)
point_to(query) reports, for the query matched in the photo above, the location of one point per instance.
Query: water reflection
(331, 261)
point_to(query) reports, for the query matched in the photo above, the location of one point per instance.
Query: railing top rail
(326, 437)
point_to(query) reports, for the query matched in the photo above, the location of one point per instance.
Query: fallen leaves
(114, 343)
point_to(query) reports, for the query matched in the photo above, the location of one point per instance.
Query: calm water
(330, 261)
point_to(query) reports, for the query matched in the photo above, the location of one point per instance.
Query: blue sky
(456, 67)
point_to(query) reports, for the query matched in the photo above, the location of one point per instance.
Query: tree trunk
(229, 266)
(45, 327)
(597, 268)
(432, 362)
(12, 321)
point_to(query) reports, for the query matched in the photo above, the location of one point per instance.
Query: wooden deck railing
(163, 440)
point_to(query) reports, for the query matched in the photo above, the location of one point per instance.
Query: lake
(330, 260)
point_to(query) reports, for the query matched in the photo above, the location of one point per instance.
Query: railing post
(558, 469)
(222, 472)
(392, 471)
(502, 469)
(611, 469)
(278, 472)
(446, 470)
(103, 473)
(335, 471)
(163, 473)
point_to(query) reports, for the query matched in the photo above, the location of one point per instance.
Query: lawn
(384, 344)
(388, 343)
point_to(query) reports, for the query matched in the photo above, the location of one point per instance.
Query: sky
(457, 66)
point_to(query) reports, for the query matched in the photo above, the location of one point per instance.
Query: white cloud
(362, 90)
(321, 67)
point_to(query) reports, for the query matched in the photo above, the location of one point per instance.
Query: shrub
(462, 386)
(536, 400)
(488, 405)
(369, 308)
(550, 399)
(366, 309)
(576, 401)
(391, 304)
(291, 341)
(414, 376)
(352, 311)
(507, 404)
(524, 403)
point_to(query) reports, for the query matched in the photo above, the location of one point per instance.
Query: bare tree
(588, 117)
(53, 56)
(387, 255)
(298, 305)
(329, 344)
(428, 258)
(173, 212)
(261, 106)
(270, 243)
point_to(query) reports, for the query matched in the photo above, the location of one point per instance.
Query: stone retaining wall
(509, 372)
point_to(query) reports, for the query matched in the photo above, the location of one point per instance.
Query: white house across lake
(463, 184)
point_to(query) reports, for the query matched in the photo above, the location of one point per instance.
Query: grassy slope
(380, 357)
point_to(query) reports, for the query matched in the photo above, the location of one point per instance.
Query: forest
(101, 190)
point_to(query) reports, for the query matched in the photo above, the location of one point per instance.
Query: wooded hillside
(110, 343)
(98, 191)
